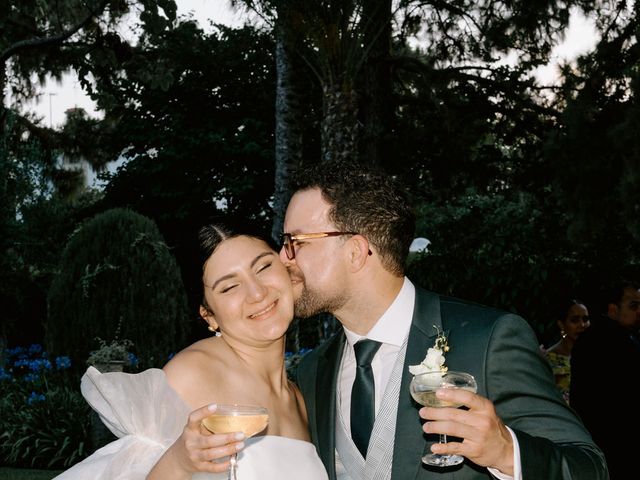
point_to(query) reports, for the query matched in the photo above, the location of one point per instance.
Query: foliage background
(527, 192)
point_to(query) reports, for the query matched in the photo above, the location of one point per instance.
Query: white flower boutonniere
(434, 361)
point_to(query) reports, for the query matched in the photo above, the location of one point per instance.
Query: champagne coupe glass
(247, 419)
(423, 390)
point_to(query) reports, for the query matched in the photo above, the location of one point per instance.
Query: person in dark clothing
(605, 366)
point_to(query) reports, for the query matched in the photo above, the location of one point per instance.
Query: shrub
(499, 250)
(44, 421)
(117, 279)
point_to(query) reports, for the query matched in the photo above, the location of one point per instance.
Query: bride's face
(248, 291)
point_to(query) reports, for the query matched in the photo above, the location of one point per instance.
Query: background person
(572, 317)
(605, 370)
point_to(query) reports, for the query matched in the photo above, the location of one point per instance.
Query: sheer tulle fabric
(147, 415)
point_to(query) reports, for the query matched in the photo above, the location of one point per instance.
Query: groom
(347, 235)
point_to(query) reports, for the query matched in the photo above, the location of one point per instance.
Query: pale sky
(57, 98)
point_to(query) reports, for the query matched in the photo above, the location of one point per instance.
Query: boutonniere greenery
(434, 361)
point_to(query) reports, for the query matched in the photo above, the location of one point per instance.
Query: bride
(157, 414)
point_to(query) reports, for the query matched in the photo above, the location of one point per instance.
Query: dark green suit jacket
(501, 351)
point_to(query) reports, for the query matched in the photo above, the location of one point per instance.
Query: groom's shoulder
(455, 307)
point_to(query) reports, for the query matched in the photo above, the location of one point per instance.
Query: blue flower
(14, 352)
(35, 348)
(39, 364)
(35, 398)
(4, 375)
(31, 377)
(23, 362)
(133, 360)
(62, 363)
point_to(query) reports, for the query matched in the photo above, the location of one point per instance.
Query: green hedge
(117, 279)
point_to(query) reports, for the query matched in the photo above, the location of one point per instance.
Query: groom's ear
(359, 252)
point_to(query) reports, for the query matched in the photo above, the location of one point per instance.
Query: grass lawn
(27, 474)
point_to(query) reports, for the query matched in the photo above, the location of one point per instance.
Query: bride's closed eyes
(260, 269)
(259, 264)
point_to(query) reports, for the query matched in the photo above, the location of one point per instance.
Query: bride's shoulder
(194, 356)
(190, 365)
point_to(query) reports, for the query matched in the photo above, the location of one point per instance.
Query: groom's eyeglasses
(289, 240)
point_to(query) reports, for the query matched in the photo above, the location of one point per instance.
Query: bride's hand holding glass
(249, 419)
(199, 450)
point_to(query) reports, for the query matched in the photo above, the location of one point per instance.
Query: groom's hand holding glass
(484, 438)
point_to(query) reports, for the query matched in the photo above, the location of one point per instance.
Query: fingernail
(440, 393)
(212, 407)
(239, 436)
(239, 446)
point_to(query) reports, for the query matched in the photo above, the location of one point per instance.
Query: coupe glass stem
(233, 460)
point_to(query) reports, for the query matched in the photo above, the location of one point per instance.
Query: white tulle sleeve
(143, 411)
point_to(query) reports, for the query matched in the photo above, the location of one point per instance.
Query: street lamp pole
(50, 110)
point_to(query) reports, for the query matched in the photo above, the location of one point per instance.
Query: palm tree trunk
(3, 93)
(339, 126)
(376, 109)
(288, 135)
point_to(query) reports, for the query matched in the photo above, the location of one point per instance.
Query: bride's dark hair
(211, 235)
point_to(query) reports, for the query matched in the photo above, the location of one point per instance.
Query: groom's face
(318, 271)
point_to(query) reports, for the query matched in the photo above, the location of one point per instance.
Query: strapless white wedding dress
(147, 416)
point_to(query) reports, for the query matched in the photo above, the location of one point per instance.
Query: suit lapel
(410, 441)
(328, 365)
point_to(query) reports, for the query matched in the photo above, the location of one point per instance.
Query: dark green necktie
(363, 395)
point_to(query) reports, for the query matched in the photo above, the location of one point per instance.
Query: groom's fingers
(456, 396)
(460, 396)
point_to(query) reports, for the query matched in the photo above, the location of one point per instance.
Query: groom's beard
(310, 301)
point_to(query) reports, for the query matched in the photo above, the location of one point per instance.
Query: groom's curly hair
(366, 200)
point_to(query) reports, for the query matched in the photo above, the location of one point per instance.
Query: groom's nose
(283, 256)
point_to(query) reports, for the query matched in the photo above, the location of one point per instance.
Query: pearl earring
(216, 333)
(563, 334)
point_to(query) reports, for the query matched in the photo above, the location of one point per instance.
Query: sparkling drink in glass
(423, 389)
(247, 419)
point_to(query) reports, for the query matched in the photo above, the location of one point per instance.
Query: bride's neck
(266, 361)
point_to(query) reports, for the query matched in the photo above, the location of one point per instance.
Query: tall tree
(289, 113)
(335, 40)
(41, 39)
(35, 37)
(376, 98)
(209, 152)
(597, 150)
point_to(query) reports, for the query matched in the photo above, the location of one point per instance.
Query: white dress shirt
(391, 330)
